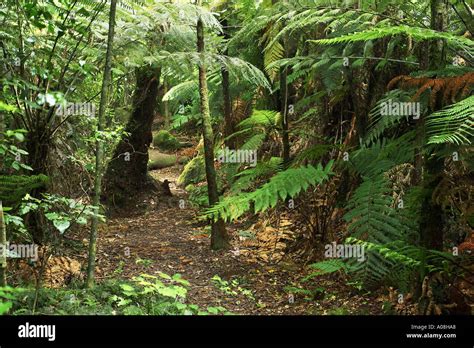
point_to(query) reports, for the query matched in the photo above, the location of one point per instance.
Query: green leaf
(61, 225)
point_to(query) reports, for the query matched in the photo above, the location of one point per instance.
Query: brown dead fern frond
(452, 88)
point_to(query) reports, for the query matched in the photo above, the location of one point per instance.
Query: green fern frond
(249, 176)
(326, 267)
(254, 142)
(272, 53)
(414, 32)
(313, 153)
(381, 123)
(389, 252)
(286, 184)
(454, 124)
(183, 91)
(259, 118)
(14, 187)
(370, 213)
(239, 69)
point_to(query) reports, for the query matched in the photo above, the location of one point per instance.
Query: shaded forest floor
(162, 236)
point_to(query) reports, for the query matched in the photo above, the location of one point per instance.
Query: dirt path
(169, 239)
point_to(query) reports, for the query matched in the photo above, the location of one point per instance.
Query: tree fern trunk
(219, 239)
(127, 172)
(99, 146)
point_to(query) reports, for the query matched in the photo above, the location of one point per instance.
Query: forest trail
(167, 238)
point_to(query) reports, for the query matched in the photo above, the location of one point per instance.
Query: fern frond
(454, 124)
(183, 91)
(326, 267)
(414, 32)
(14, 187)
(259, 119)
(249, 176)
(272, 54)
(381, 123)
(286, 184)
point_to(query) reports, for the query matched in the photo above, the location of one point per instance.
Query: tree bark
(431, 228)
(166, 108)
(127, 172)
(428, 171)
(3, 232)
(284, 113)
(229, 126)
(3, 246)
(99, 146)
(219, 238)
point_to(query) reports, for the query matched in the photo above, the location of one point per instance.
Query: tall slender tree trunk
(99, 146)
(166, 106)
(284, 114)
(428, 171)
(219, 238)
(229, 123)
(432, 223)
(3, 249)
(283, 101)
(3, 232)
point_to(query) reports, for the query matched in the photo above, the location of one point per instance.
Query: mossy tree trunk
(99, 156)
(127, 172)
(219, 238)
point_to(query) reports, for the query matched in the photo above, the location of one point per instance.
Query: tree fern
(372, 214)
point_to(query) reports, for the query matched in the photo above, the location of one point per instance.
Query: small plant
(142, 295)
(119, 269)
(144, 262)
(7, 297)
(309, 295)
(231, 288)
